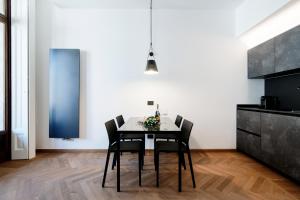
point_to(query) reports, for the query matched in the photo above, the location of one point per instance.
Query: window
(2, 7)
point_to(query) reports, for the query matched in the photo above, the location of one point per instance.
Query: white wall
(252, 12)
(202, 70)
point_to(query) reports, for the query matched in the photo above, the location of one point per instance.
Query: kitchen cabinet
(261, 60)
(249, 143)
(280, 139)
(248, 121)
(277, 56)
(287, 50)
(272, 138)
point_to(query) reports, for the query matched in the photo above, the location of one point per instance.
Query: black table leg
(179, 162)
(118, 163)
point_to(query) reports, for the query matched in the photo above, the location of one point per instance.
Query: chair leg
(140, 167)
(191, 167)
(143, 161)
(114, 161)
(144, 152)
(106, 166)
(183, 160)
(121, 153)
(154, 153)
(155, 161)
(144, 146)
(157, 169)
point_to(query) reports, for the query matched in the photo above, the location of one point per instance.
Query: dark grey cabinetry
(249, 143)
(280, 143)
(287, 50)
(280, 55)
(248, 133)
(248, 121)
(261, 60)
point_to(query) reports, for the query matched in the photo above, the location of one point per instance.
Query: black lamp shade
(151, 67)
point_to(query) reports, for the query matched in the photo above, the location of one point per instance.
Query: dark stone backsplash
(287, 89)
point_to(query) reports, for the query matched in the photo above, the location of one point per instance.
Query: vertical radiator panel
(64, 82)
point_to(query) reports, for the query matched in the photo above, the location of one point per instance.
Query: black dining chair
(163, 146)
(170, 137)
(132, 146)
(127, 137)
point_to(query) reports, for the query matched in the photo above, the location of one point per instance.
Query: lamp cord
(150, 24)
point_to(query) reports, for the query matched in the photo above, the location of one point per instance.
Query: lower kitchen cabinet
(249, 143)
(248, 121)
(275, 140)
(280, 143)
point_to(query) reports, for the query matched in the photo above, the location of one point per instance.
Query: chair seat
(133, 136)
(164, 146)
(165, 136)
(134, 146)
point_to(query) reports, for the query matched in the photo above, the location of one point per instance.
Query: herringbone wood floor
(77, 176)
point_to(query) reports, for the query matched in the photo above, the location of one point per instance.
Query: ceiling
(144, 4)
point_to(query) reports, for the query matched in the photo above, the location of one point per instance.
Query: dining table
(135, 125)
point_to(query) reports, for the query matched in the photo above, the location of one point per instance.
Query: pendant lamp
(151, 67)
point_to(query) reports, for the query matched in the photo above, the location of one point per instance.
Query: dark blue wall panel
(64, 84)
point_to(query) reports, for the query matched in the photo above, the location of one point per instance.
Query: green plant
(151, 121)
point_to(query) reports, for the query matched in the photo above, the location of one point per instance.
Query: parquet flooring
(78, 176)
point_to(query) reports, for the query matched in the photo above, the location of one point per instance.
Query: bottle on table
(157, 113)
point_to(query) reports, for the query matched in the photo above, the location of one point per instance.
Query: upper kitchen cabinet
(261, 60)
(278, 56)
(287, 50)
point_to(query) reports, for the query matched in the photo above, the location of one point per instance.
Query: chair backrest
(111, 129)
(178, 121)
(120, 120)
(186, 130)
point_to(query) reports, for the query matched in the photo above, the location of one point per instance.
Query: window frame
(5, 18)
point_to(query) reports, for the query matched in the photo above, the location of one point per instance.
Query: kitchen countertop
(257, 108)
